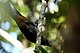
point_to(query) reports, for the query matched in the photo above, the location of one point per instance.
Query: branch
(40, 24)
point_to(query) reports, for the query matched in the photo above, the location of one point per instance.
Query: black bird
(27, 27)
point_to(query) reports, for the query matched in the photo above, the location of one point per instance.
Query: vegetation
(60, 26)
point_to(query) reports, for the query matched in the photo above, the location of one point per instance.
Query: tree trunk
(71, 34)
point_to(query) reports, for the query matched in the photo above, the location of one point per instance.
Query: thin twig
(40, 24)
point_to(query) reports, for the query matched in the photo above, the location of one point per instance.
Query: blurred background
(54, 17)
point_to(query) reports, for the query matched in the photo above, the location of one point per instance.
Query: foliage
(30, 9)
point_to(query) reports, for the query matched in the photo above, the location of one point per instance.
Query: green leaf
(42, 50)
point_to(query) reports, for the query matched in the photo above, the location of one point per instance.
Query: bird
(28, 28)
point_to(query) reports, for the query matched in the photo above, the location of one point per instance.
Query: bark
(71, 34)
